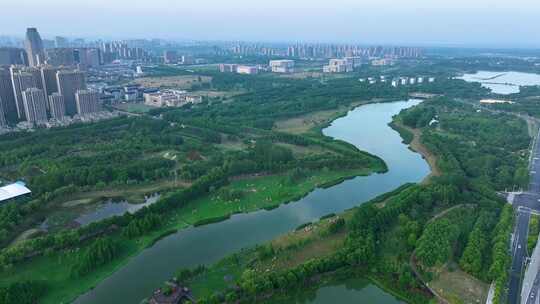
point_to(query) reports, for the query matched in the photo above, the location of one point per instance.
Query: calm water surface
(109, 209)
(365, 127)
(503, 82)
(359, 291)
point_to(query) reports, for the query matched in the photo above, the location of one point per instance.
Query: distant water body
(503, 82)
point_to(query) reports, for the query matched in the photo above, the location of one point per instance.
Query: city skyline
(417, 22)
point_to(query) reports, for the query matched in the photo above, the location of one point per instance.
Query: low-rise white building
(282, 66)
(383, 61)
(249, 70)
(228, 68)
(356, 61)
(403, 81)
(338, 66)
(170, 98)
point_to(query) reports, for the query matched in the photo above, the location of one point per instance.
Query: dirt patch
(74, 203)
(460, 287)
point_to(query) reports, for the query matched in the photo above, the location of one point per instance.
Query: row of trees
(501, 259)
(358, 252)
(100, 252)
(26, 292)
(141, 226)
(475, 257)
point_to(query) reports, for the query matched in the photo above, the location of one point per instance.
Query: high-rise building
(7, 99)
(170, 57)
(88, 57)
(57, 106)
(35, 105)
(60, 42)
(34, 47)
(93, 57)
(23, 78)
(3, 120)
(87, 102)
(48, 79)
(69, 82)
(61, 56)
(11, 55)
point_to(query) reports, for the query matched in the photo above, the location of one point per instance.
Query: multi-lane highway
(524, 203)
(519, 254)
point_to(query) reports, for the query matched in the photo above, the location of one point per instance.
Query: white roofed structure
(12, 191)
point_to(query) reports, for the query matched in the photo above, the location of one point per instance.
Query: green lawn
(259, 193)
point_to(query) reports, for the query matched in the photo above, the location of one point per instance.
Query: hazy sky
(459, 22)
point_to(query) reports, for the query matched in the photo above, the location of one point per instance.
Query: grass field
(258, 193)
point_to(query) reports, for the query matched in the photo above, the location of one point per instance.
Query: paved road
(519, 254)
(524, 203)
(532, 297)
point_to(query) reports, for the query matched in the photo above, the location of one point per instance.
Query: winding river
(366, 127)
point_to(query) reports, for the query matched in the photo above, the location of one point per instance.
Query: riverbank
(259, 192)
(414, 140)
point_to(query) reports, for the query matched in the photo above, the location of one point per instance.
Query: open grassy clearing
(305, 123)
(258, 193)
